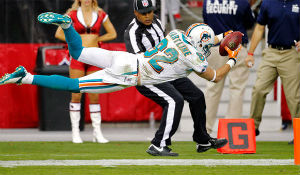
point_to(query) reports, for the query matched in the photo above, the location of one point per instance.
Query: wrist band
(220, 37)
(249, 53)
(231, 62)
(215, 75)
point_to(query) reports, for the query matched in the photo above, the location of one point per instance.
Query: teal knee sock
(74, 42)
(57, 82)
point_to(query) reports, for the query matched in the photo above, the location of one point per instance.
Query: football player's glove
(233, 53)
(226, 33)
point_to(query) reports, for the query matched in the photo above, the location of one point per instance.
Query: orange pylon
(296, 126)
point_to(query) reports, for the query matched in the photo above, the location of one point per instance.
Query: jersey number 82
(171, 55)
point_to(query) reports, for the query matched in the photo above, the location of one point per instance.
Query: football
(232, 41)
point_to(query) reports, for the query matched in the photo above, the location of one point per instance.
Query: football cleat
(212, 143)
(160, 151)
(15, 77)
(54, 18)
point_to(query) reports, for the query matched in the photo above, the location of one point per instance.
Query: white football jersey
(174, 57)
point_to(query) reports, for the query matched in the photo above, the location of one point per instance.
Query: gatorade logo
(233, 145)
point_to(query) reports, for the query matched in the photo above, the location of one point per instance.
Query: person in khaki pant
(238, 78)
(237, 16)
(281, 57)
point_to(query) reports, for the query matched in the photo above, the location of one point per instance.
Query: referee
(144, 32)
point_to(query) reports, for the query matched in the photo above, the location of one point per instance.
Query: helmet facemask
(206, 49)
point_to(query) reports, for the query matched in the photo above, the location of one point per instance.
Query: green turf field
(51, 151)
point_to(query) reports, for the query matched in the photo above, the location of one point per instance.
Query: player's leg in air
(94, 56)
(92, 83)
(98, 82)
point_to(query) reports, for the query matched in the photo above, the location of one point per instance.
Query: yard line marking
(116, 162)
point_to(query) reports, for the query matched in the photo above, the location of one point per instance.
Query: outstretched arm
(217, 75)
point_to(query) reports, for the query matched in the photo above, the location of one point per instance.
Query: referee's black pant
(170, 96)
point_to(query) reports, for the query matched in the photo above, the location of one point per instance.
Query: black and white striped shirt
(139, 37)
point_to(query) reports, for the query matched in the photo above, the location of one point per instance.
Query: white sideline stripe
(115, 162)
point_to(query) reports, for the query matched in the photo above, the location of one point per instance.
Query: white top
(94, 17)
